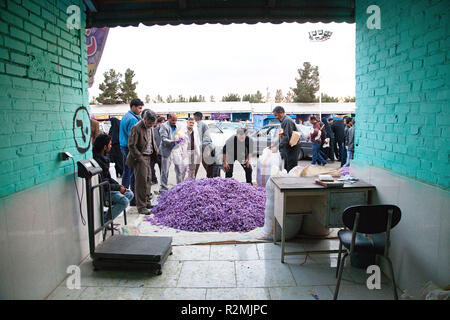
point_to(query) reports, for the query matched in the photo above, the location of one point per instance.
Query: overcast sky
(217, 59)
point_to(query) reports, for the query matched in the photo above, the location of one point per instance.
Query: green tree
(327, 98)
(289, 97)
(258, 98)
(196, 98)
(158, 99)
(307, 84)
(212, 99)
(181, 98)
(349, 99)
(169, 99)
(110, 88)
(231, 97)
(147, 99)
(128, 87)
(253, 98)
(278, 96)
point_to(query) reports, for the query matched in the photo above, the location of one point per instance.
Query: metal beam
(91, 5)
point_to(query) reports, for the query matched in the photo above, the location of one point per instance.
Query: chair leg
(341, 269)
(125, 216)
(393, 278)
(339, 258)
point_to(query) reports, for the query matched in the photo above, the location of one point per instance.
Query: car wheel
(300, 155)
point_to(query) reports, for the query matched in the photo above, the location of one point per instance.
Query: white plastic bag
(266, 162)
(269, 210)
(270, 200)
(296, 171)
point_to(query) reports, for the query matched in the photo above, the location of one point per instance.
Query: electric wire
(80, 201)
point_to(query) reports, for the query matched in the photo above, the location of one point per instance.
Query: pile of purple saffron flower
(211, 205)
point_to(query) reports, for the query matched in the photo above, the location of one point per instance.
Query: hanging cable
(80, 201)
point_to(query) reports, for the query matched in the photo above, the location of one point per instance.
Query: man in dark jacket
(330, 151)
(238, 147)
(288, 153)
(116, 154)
(120, 196)
(338, 128)
(349, 141)
(156, 160)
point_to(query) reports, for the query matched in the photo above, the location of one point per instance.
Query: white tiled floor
(232, 272)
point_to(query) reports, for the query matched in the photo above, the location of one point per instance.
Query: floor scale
(119, 252)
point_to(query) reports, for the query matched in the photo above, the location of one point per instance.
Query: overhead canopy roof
(112, 13)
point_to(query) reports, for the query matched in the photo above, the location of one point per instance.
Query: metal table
(302, 196)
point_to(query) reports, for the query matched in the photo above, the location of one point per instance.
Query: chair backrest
(372, 218)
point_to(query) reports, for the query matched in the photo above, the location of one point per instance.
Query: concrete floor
(231, 272)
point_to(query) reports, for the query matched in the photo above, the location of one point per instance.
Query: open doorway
(236, 69)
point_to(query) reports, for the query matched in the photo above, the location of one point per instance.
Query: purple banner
(217, 116)
(95, 42)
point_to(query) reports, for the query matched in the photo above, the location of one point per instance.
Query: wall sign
(82, 129)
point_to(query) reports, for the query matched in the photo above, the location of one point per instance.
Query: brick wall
(402, 88)
(43, 80)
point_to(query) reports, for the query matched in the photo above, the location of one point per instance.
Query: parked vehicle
(225, 125)
(268, 135)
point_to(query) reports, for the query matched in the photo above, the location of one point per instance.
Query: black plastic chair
(363, 221)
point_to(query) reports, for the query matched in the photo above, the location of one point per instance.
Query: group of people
(142, 139)
(331, 139)
(337, 140)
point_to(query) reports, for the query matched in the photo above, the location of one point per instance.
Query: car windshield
(230, 125)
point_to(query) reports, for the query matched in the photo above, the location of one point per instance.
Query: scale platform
(138, 253)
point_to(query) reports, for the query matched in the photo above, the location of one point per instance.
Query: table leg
(282, 242)
(274, 230)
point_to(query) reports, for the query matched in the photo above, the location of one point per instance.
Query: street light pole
(320, 36)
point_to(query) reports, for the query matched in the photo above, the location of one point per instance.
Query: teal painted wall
(402, 88)
(43, 80)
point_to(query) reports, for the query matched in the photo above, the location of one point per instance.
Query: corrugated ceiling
(112, 13)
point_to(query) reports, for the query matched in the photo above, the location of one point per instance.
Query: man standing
(238, 147)
(156, 160)
(330, 135)
(141, 145)
(350, 141)
(338, 128)
(316, 142)
(120, 196)
(202, 130)
(116, 154)
(129, 120)
(193, 149)
(288, 153)
(168, 132)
